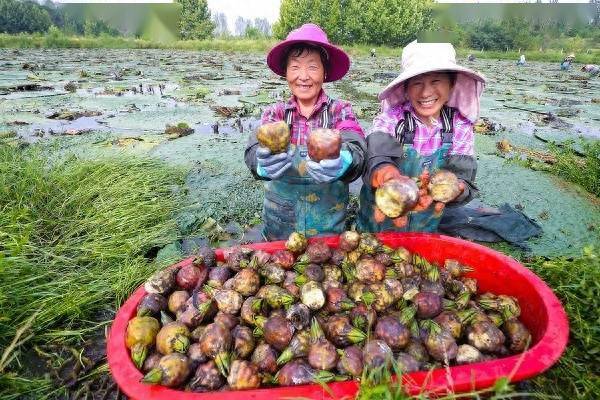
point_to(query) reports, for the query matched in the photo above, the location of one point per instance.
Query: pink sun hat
(338, 61)
(420, 58)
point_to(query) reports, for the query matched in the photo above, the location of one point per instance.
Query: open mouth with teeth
(427, 103)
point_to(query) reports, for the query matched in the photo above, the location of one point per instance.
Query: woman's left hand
(379, 217)
(326, 171)
(439, 206)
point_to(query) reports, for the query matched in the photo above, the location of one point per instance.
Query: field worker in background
(426, 123)
(470, 57)
(301, 194)
(373, 53)
(565, 65)
(592, 69)
(521, 60)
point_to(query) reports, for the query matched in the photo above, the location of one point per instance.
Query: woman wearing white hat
(426, 124)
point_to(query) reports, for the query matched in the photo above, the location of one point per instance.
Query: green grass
(13, 387)
(381, 384)
(582, 170)
(577, 284)
(577, 164)
(57, 39)
(73, 235)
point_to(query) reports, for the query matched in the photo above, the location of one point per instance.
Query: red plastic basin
(541, 312)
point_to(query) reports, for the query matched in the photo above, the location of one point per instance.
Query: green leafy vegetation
(23, 16)
(502, 27)
(577, 284)
(195, 22)
(57, 39)
(577, 164)
(503, 31)
(73, 240)
(381, 22)
(582, 170)
(28, 17)
(383, 384)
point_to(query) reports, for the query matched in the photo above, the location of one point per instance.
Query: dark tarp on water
(485, 224)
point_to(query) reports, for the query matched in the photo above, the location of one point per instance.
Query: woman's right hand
(379, 177)
(272, 166)
(383, 174)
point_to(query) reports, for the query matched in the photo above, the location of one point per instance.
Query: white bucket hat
(420, 58)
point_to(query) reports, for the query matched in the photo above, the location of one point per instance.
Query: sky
(248, 9)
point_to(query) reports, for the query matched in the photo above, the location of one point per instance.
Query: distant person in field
(301, 194)
(522, 60)
(592, 69)
(566, 64)
(470, 57)
(373, 53)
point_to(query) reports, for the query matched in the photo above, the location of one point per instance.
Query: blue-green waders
(295, 202)
(411, 164)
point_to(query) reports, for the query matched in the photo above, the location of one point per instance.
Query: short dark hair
(451, 76)
(298, 49)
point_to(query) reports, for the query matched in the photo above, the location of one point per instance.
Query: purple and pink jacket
(341, 117)
(384, 148)
(427, 139)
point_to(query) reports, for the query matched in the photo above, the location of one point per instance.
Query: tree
(253, 32)
(263, 26)
(195, 21)
(93, 27)
(56, 16)
(220, 21)
(241, 24)
(490, 35)
(292, 14)
(23, 16)
(389, 22)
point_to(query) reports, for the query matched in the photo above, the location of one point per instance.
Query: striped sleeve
(463, 142)
(386, 121)
(273, 113)
(345, 118)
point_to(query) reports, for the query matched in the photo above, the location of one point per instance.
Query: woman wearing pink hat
(301, 194)
(426, 124)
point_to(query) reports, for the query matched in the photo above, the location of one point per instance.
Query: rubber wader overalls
(411, 164)
(295, 202)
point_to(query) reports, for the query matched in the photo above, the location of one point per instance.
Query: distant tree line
(374, 22)
(396, 22)
(23, 16)
(520, 33)
(27, 16)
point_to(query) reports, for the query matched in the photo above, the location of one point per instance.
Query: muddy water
(101, 102)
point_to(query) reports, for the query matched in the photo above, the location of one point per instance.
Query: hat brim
(338, 65)
(405, 75)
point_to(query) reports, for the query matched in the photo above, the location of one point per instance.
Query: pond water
(100, 102)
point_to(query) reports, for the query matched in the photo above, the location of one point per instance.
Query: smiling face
(305, 74)
(428, 93)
